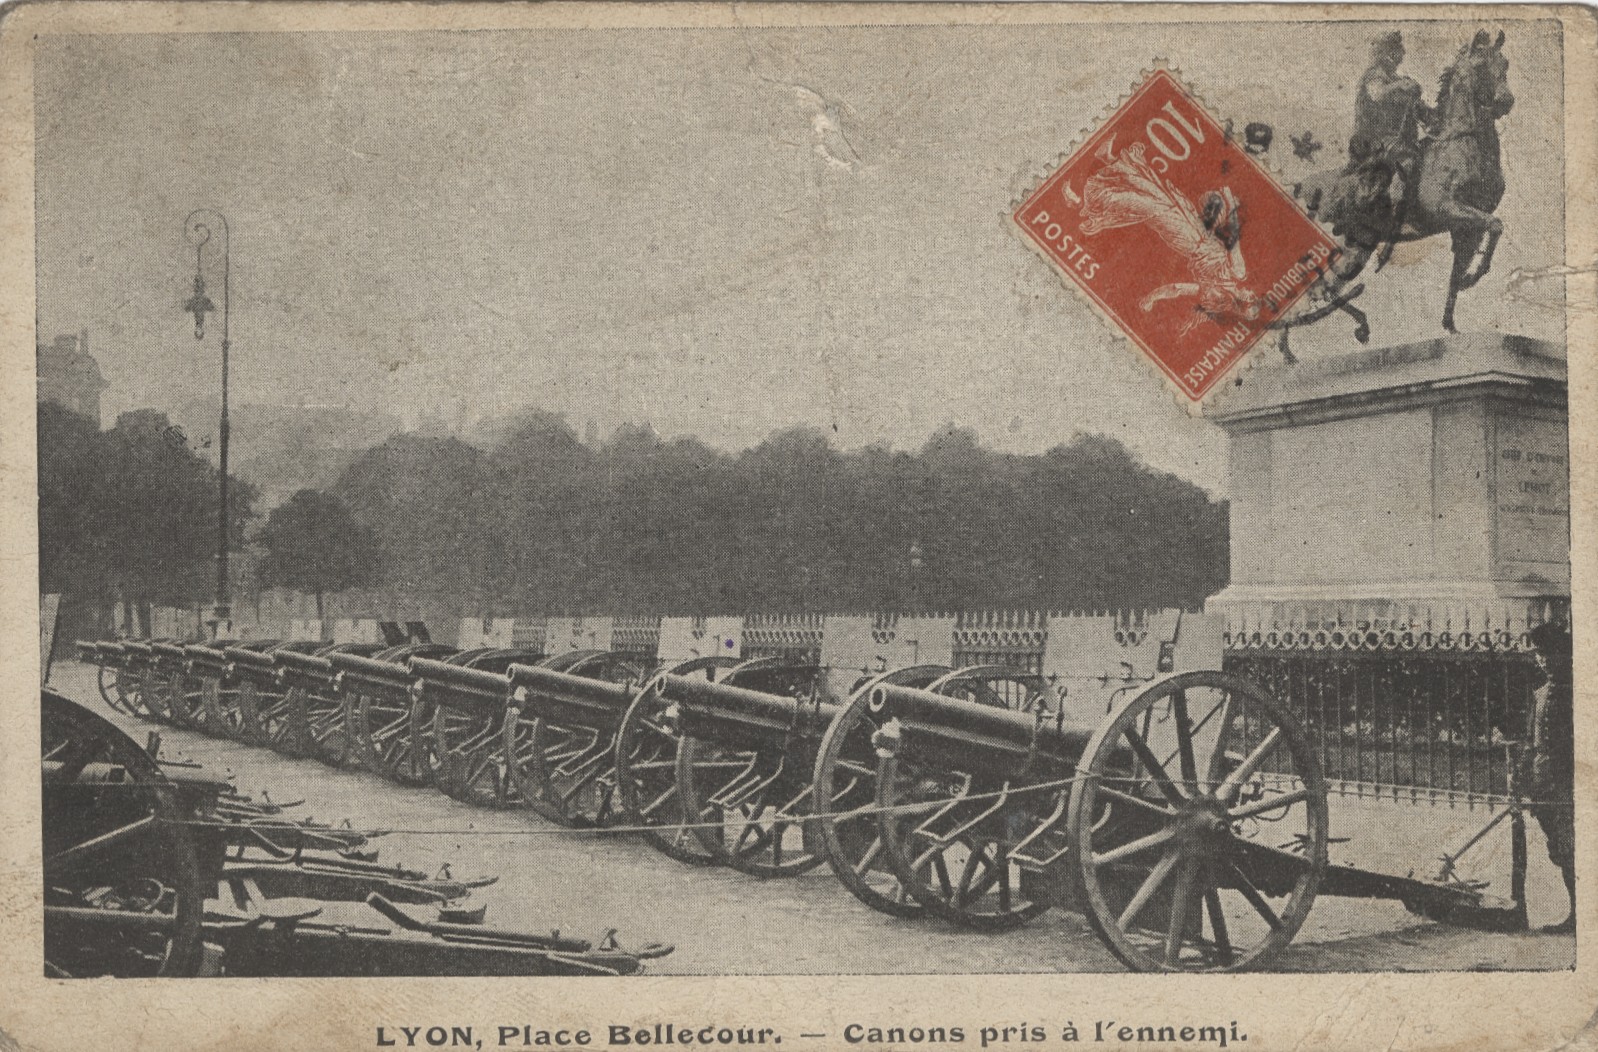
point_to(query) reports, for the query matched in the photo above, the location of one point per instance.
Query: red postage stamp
(1177, 234)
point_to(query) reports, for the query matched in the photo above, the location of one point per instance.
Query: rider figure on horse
(1388, 113)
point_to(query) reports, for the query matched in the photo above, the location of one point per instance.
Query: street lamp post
(198, 228)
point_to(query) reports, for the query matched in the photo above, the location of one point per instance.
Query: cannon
(1189, 826)
(647, 744)
(213, 691)
(385, 732)
(313, 717)
(457, 706)
(467, 698)
(149, 871)
(559, 733)
(182, 703)
(845, 779)
(748, 744)
(148, 695)
(115, 685)
(263, 700)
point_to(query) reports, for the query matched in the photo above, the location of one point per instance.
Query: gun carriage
(116, 687)
(558, 737)
(647, 744)
(313, 713)
(463, 700)
(263, 703)
(149, 696)
(846, 771)
(386, 732)
(748, 743)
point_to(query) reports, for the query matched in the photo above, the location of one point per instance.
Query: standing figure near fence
(1552, 785)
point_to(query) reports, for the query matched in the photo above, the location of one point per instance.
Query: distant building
(69, 376)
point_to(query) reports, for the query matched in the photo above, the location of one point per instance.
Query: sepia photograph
(699, 500)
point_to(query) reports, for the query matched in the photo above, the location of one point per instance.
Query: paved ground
(723, 922)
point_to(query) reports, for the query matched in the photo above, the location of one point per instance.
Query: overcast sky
(718, 232)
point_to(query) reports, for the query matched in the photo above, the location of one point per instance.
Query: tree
(430, 502)
(312, 543)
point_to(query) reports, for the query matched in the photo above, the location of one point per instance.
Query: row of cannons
(1182, 810)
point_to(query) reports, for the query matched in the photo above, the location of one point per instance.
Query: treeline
(543, 522)
(129, 515)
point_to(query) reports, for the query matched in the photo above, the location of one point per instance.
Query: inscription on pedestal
(1532, 491)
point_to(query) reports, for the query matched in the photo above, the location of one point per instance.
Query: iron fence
(1415, 723)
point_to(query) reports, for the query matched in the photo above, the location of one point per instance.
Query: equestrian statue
(1413, 171)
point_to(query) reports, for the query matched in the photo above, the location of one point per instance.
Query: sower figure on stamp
(1127, 191)
(1551, 786)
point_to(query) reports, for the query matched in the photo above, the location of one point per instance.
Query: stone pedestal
(1422, 482)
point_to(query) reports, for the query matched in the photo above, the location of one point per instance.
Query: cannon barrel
(984, 736)
(461, 687)
(169, 656)
(111, 654)
(254, 666)
(302, 670)
(370, 672)
(739, 716)
(208, 660)
(572, 701)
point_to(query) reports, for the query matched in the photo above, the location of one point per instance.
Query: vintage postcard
(881, 526)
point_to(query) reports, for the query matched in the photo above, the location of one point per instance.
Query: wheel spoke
(1181, 898)
(1223, 735)
(967, 875)
(1137, 801)
(1250, 764)
(1184, 741)
(1246, 887)
(1270, 803)
(940, 866)
(869, 856)
(1212, 903)
(1157, 876)
(1135, 847)
(1155, 768)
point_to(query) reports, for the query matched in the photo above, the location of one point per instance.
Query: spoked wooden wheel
(950, 835)
(123, 887)
(566, 774)
(646, 767)
(1215, 838)
(114, 686)
(846, 798)
(190, 705)
(752, 807)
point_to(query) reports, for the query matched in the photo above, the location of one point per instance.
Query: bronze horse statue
(1455, 190)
